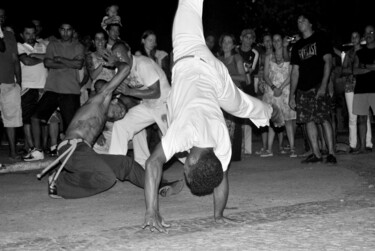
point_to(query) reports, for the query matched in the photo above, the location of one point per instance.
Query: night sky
(158, 16)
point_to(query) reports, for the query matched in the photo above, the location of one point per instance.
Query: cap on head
(248, 31)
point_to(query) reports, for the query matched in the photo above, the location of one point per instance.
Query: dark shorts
(47, 105)
(309, 108)
(29, 102)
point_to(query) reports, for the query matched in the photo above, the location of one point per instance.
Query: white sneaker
(266, 153)
(35, 154)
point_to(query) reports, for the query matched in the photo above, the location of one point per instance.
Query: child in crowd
(111, 17)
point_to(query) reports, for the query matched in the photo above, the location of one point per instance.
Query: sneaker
(312, 159)
(282, 151)
(331, 159)
(35, 154)
(27, 154)
(266, 153)
(259, 152)
(52, 189)
(293, 153)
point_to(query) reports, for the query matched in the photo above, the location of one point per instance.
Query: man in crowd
(311, 67)
(10, 86)
(31, 54)
(201, 87)
(364, 91)
(64, 58)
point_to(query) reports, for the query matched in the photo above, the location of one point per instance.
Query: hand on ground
(154, 221)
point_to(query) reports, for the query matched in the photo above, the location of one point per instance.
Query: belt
(72, 142)
(188, 56)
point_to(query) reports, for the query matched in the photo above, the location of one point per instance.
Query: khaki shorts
(362, 103)
(10, 105)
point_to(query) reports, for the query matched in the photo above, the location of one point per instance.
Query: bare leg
(312, 133)
(11, 134)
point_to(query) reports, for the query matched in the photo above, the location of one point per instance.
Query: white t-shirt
(144, 73)
(33, 76)
(195, 119)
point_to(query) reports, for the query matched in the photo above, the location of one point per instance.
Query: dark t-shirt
(308, 55)
(7, 69)
(366, 82)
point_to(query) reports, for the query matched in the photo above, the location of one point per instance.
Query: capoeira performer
(148, 82)
(201, 85)
(84, 172)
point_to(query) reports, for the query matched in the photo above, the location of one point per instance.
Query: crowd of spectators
(318, 88)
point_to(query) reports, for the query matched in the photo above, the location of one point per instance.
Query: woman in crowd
(95, 62)
(276, 91)
(234, 63)
(347, 71)
(267, 50)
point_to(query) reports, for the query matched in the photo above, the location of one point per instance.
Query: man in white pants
(148, 82)
(201, 85)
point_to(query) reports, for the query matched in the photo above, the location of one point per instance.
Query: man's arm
(221, 193)
(359, 68)
(17, 68)
(29, 60)
(293, 86)
(75, 63)
(123, 70)
(327, 58)
(152, 92)
(154, 171)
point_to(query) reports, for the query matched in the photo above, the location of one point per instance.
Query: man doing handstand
(201, 86)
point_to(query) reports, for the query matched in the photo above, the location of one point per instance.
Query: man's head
(203, 171)
(306, 22)
(122, 50)
(38, 27)
(28, 33)
(211, 41)
(2, 17)
(369, 35)
(248, 37)
(114, 31)
(66, 32)
(116, 110)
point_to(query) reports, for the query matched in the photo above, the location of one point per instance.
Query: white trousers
(188, 40)
(349, 96)
(131, 127)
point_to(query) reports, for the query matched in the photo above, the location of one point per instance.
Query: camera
(291, 39)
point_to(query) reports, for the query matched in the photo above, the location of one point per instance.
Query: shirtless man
(87, 173)
(201, 87)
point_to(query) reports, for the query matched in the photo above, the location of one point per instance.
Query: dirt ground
(282, 204)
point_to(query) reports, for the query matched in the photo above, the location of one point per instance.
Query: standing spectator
(211, 43)
(311, 66)
(267, 45)
(364, 91)
(149, 49)
(64, 58)
(234, 63)
(347, 71)
(250, 57)
(277, 77)
(34, 74)
(114, 32)
(95, 61)
(10, 86)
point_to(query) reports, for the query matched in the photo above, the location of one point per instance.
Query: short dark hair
(206, 174)
(121, 43)
(311, 17)
(109, 26)
(28, 25)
